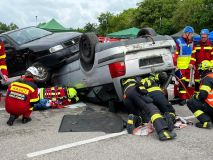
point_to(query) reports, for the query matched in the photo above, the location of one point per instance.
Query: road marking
(77, 105)
(66, 146)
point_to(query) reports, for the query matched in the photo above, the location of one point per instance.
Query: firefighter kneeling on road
(152, 84)
(21, 96)
(136, 100)
(202, 103)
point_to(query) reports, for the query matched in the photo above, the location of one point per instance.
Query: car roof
(16, 30)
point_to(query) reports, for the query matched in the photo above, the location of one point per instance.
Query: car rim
(42, 72)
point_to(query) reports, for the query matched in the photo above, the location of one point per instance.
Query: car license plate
(150, 61)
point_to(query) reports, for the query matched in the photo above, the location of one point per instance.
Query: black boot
(170, 120)
(166, 135)
(26, 120)
(11, 120)
(182, 103)
(131, 123)
(207, 125)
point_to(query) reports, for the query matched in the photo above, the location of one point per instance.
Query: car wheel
(43, 72)
(146, 31)
(87, 45)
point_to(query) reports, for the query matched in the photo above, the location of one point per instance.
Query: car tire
(87, 45)
(43, 71)
(146, 31)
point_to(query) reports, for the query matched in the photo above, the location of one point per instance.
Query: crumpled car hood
(45, 43)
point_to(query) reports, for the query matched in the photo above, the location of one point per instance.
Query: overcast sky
(70, 13)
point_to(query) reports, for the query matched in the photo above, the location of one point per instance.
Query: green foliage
(104, 23)
(188, 12)
(4, 27)
(156, 14)
(91, 27)
(122, 21)
(165, 16)
(77, 30)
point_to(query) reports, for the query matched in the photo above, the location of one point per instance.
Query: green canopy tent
(127, 33)
(53, 26)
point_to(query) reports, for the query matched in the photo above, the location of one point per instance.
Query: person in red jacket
(3, 66)
(182, 57)
(21, 96)
(204, 51)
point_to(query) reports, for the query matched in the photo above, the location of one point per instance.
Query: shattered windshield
(28, 34)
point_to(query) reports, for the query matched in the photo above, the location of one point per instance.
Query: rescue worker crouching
(137, 102)
(202, 103)
(21, 96)
(152, 84)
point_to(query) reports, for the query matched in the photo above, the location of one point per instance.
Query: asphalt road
(42, 133)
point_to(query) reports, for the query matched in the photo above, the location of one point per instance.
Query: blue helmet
(188, 29)
(204, 31)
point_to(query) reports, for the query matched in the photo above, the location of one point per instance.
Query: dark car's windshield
(28, 34)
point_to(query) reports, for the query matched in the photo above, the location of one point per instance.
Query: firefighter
(204, 51)
(136, 99)
(182, 59)
(21, 96)
(152, 84)
(3, 66)
(202, 103)
(65, 95)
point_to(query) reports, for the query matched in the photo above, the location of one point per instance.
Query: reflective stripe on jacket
(209, 99)
(150, 84)
(128, 83)
(184, 56)
(3, 66)
(22, 94)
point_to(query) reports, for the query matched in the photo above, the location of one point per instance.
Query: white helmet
(33, 70)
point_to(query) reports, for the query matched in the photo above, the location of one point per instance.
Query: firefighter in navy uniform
(21, 96)
(136, 100)
(152, 84)
(202, 103)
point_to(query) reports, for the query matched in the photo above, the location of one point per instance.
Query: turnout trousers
(201, 110)
(137, 103)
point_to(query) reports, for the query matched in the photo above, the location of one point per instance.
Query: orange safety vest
(209, 99)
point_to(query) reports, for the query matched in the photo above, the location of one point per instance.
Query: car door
(14, 60)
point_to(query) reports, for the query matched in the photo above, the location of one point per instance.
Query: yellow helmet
(205, 65)
(71, 92)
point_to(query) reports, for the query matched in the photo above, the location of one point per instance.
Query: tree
(12, 26)
(4, 27)
(203, 18)
(156, 14)
(103, 20)
(77, 30)
(189, 12)
(91, 27)
(122, 21)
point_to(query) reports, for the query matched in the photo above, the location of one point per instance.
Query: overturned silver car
(99, 68)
